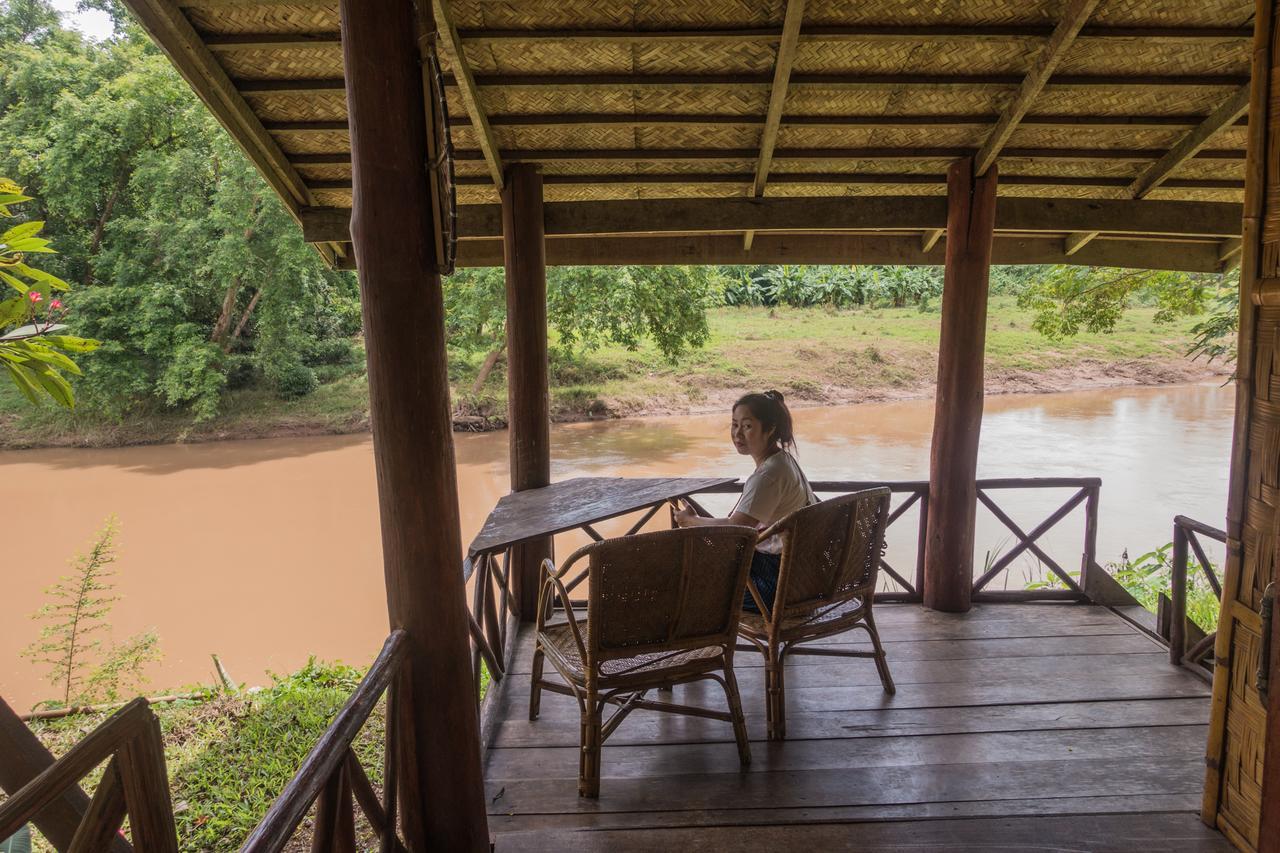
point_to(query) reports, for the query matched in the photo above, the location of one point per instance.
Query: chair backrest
(831, 551)
(670, 590)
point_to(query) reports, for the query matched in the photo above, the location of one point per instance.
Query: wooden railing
(332, 778)
(913, 492)
(1186, 533)
(134, 784)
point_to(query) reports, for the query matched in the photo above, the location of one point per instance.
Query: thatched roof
(645, 101)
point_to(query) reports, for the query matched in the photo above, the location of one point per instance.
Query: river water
(267, 551)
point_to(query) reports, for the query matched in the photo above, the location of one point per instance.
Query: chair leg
(775, 694)
(739, 720)
(882, 664)
(589, 760)
(535, 687)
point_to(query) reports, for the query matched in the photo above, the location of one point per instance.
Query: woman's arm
(686, 517)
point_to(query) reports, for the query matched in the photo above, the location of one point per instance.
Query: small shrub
(293, 380)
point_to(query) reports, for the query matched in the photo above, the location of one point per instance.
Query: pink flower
(35, 296)
(55, 305)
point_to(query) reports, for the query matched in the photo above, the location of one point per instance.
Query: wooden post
(393, 231)
(528, 390)
(957, 420)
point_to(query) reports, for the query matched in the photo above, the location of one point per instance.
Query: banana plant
(33, 344)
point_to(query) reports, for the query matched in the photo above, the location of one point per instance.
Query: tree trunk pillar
(528, 391)
(957, 420)
(393, 232)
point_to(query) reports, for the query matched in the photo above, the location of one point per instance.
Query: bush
(292, 380)
(330, 351)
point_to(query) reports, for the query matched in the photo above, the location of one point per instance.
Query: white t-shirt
(774, 490)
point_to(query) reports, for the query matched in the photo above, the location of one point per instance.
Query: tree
(587, 307)
(1066, 299)
(187, 264)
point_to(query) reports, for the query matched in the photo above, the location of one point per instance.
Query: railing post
(1178, 596)
(1090, 555)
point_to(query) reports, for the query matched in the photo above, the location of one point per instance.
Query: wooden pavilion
(1136, 133)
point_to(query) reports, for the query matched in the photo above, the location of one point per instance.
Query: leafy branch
(32, 347)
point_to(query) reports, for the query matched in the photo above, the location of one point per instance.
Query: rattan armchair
(826, 582)
(662, 610)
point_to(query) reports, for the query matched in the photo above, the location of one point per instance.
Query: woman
(761, 428)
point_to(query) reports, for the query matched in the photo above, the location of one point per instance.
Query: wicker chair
(662, 609)
(826, 581)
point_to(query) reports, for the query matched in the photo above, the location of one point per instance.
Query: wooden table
(578, 504)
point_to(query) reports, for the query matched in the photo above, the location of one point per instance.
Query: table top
(531, 514)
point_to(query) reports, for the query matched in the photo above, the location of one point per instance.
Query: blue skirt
(764, 574)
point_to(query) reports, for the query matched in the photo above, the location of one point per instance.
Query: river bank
(817, 357)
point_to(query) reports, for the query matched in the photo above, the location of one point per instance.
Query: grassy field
(814, 356)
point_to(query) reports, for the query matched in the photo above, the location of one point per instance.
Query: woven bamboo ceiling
(707, 120)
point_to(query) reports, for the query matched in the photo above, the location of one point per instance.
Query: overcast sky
(96, 25)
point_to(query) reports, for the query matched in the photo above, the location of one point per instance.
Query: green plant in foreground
(77, 613)
(32, 346)
(1149, 575)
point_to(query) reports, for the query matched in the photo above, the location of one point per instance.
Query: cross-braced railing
(134, 784)
(1186, 533)
(1086, 493)
(332, 778)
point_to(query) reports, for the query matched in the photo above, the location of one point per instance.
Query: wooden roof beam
(842, 249)
(930, 239)
(718, 155)
(1189, 146)
(736, 81)
(859, 32)
(1073, 20)
(451, 46)
(1183, 122)
(229, 42)
(1176, 219)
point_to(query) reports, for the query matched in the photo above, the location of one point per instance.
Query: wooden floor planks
(1013, 725)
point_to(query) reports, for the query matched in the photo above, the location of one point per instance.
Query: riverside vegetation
(217, 321)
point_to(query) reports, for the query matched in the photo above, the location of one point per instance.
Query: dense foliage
(187, 266)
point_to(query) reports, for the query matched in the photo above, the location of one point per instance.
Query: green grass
(813, 355)
(229, 757)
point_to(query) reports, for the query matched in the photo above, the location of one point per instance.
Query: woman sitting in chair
(761, 428)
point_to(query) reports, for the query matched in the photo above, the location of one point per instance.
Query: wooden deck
(1017, 726)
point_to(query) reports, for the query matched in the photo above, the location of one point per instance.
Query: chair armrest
(553, 586)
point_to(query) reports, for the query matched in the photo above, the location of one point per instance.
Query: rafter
(1189, 146)
(930, 238)
(1073, 19)
(1076, 241)
(451, 46)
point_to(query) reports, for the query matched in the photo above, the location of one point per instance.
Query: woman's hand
(682, 514)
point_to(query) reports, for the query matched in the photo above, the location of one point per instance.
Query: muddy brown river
(267, 551)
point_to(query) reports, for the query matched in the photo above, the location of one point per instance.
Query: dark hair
(772, 414)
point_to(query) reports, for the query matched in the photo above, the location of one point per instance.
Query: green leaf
(41, 276)
(13, 282)
(71, 343)
(54, 385)
(52, 357)
(12, 311)
(30, 245)
(19, 232)
(25, 385)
